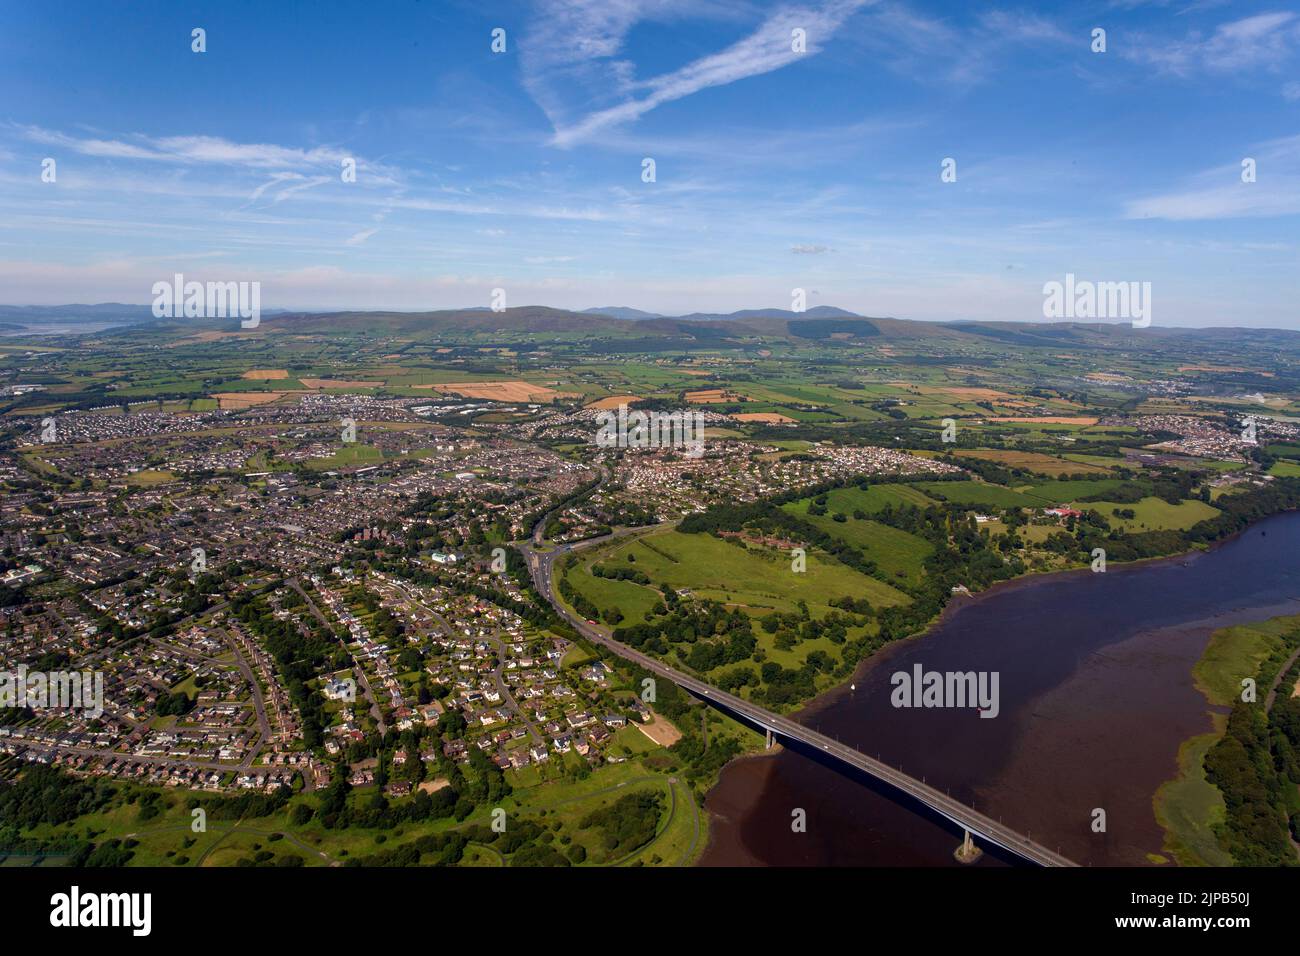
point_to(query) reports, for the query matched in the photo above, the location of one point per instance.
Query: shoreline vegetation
(1236, 798)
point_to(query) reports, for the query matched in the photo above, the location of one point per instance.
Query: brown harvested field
(211, 336)
(1032, 461)
(711, 396)
(659, 730)
(337, 383)
(514, 390)
(241, 400)
(266, 374)
(614, 401)
(959, 391)
(769, 417)
(1048, 419)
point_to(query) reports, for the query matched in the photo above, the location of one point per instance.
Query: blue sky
(774, 169)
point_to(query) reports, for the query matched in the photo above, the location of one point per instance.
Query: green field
(1059, 492)
(346, 456)
(1235, 653)
(898, 554)
(876, 498)
(1153, 514)
(979, 493)
(758, 580)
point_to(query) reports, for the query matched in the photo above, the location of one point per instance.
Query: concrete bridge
(776, 726)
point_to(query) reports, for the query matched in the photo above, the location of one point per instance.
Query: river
(1096, 695)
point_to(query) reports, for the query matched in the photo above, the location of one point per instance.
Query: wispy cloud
(360, 237)
(189, 149)
(312, 183)
(1219, 193)
(1265, 41)
(553, 57)
(921, 46)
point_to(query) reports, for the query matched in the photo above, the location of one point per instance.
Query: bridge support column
(968, 852)
(768, 744)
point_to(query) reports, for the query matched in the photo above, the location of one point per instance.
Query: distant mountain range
(622, 312)
(626, 329)
(818, 312)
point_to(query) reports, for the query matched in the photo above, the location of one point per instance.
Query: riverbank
(1189, 807)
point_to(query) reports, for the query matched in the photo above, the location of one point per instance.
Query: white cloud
(360, 237)
(1264, 41)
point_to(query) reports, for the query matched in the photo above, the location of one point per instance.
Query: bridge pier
(768, 744)
(968, 852)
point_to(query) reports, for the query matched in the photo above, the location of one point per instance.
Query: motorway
(541, 564)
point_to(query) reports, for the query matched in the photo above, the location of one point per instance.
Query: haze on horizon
(774, 169)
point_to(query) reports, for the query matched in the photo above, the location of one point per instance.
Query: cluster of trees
(269, 858)
(43, 794)
(627, 824)
(173, 705)
(716, 635)
(1256, 766)
(580, 602)
(620, 574)
(790, 629)
(241, 806)
(336, 812)
(442, 849)
(301, 658)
